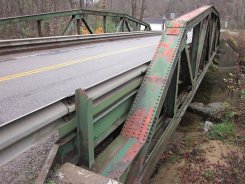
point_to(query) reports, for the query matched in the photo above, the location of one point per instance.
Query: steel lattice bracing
(79, 17)
(165, 93)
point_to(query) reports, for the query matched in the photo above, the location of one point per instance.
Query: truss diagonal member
(126, 158)
(148, 102)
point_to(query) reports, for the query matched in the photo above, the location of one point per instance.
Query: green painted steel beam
(89, 28)
(108, 114)
(78, 26)
(195, 43)
(105, 121)
(82, 12)
(68, 25)
(39, 28)
(105, 24)
(85, 132)
(161, 79)
(120, 25)
(128, 26)
(162, 142)
(146, 105)
(99, 106)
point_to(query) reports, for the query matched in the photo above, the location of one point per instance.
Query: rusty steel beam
(166, 92)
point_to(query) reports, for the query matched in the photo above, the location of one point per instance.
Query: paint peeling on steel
(173, 31)
(137, 126)
(176, 24)
(193, 14)
(125, 160)
(139, 123)
(113, 168)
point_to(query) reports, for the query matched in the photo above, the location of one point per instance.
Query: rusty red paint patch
(165, 45)
(125, 161)
(173, 31)
(137, 126)
(155, 79)
(176, 24)
(193, 14)
(130, 128)
(168, 52)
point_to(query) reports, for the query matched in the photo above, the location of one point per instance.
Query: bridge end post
(85, 134)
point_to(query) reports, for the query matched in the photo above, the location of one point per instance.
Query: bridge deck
(29, 81)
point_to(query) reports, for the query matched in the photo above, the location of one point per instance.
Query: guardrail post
(85, 134)
(105, 24)
(39, 28)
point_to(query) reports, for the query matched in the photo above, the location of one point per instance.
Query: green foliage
(230, 115)
(173, 158)
(213, 67)
(222, 131)
(50, 181)
(111, 27)
(187, 141)
(243, 94)
(209, 175)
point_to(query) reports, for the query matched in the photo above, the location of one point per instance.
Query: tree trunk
(134, 6)
(81, 4)
(142, 11)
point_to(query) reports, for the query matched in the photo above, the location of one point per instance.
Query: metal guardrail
(26, 131)
(21, 45)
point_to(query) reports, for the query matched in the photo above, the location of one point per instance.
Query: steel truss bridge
(133, 113)
(80, 17)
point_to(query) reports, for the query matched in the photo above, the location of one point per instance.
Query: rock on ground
(211, 110)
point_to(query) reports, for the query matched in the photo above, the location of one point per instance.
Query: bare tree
(81, 3)
(142, 10)
(134, 7)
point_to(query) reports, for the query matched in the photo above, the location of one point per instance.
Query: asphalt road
(29, 81)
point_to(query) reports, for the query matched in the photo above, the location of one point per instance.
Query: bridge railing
(42, 43)
(80, 17)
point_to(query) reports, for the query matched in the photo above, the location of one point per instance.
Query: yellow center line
(52, 67)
